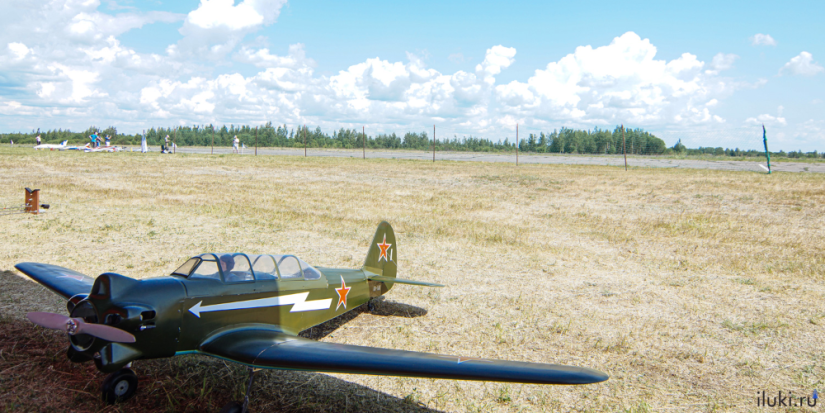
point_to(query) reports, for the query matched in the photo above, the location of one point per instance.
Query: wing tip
(598, 376)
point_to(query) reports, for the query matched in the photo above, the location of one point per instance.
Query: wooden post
(433, 143)
(516, 144)
(305, 141)
(213, 140)
(256, 141)
(32, 201)
(624, 148)
(364, 146)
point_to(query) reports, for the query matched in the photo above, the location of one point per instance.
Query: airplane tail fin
(64, 143)
(383, 253)
(380, 265)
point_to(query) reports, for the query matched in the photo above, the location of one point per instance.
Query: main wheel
(119, 386)
(232, 407)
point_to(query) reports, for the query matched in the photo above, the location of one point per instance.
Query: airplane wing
(63, 281)
(269, 348)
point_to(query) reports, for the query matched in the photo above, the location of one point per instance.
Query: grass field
(692, 289)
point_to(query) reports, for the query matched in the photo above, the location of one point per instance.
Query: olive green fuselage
(173, 315)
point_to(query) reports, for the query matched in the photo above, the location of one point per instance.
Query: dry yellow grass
(693, 289)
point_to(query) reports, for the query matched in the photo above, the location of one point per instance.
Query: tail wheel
(119, 386)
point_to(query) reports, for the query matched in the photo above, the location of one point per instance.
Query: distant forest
(566, 140)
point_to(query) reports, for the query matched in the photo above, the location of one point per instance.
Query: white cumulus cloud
(224, 13)
(19, 50)
(217, 26)
(760, 39)
(723, 61)
(802, 64)
(622, 81)
(768, 119)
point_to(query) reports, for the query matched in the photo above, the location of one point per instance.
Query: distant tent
(143, 147)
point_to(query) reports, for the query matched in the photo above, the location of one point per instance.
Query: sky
(708, 73)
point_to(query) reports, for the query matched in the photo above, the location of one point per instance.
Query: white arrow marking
(298, 302)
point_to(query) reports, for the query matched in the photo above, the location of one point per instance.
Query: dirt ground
(695, 290)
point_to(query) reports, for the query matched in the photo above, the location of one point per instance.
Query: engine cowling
(149, 309)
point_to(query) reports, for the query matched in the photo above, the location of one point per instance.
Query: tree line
(566, 140)
(563, 141)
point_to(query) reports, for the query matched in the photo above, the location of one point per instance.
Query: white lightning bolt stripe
(298, 302)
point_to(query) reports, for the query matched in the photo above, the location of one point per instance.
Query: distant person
(108, 140)
(38, 139)
(235, 144)
(93, 139)
(167, 141)
(11, 142)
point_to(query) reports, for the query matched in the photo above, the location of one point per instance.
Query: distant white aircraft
(52, 146)
(105, 149)
(77, 148)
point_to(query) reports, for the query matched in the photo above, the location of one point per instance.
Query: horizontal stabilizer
(265, 347)
(402, 281)
(63, 281)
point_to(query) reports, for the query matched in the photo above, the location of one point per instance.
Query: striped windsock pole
(765, 141)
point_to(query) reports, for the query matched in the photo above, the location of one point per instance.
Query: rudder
(382, 258)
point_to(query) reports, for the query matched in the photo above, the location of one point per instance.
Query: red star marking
(342, 294)
(383, 246)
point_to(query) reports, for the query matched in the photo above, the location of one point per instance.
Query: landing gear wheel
(371, 306)
(119, 386)
(232, 407)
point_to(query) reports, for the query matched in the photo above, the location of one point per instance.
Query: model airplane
(78, 148)
(108, 148)
(249, 309)
(51, 146)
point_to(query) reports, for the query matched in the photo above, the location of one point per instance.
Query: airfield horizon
(694, 289)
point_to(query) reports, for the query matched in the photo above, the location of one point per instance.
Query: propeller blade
(104, 332)
(48, 320)
(59, 322)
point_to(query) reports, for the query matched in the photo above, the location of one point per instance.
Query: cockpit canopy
(239, 267)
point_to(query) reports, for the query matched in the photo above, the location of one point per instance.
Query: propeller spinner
(73, 326)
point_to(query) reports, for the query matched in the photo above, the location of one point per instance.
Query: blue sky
(708, 73)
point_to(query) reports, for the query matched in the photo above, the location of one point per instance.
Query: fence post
(624, 148)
